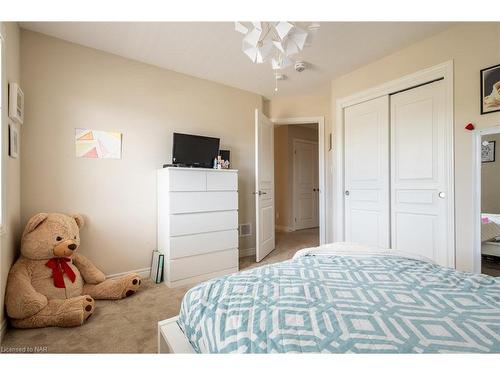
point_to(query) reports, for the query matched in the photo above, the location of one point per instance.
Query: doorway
(265, 189)
(296, 166)
(488, 202)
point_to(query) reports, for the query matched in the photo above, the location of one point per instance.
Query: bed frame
(490, 248)
(171, 339)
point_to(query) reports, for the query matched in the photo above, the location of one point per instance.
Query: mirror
(490, 205)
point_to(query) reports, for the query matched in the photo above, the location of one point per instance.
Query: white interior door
(420, 160)
(305, 184)
(264, 185)
(366, 195)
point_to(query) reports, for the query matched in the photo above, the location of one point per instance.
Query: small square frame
(488, 156)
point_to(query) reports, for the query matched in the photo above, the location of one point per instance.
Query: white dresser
(197, 223)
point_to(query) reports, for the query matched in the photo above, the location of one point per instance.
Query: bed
(490, 234)
(339, 298)
(491, 217)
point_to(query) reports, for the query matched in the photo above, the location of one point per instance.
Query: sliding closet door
(367, 173)
(420, 159)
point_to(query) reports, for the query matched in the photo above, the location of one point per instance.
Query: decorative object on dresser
(224, 156)
(16, 103)
(197, 223)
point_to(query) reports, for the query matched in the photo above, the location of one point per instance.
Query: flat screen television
(194, 150)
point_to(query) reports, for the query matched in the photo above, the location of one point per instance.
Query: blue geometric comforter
(327, 303)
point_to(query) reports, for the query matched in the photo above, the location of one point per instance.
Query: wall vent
(245, 230)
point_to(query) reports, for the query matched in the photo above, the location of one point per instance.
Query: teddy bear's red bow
(60, 266)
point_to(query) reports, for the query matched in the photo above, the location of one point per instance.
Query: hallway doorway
(296, 167)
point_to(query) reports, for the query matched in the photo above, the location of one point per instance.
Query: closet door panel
(367, 173)
(414, 139)
(419, 158)
(416, 233)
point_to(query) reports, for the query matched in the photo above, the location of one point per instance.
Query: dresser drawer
(185, 180)
(195, 244)
(184, 268)
(185, 202)
(203, 222)
(222, 181)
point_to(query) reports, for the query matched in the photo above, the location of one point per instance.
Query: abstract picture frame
(97, 144)
(490, 89)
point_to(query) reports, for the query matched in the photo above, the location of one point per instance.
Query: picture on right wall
(490, 89)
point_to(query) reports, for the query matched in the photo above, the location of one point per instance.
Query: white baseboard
(3, 330)
(247, 252)
(143, 272)
(283, 228)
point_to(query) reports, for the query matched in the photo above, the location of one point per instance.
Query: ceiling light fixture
(274, 41)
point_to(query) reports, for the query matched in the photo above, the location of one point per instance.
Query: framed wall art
(488, 152)
(16, 103)
(490, 89)
(13, 141)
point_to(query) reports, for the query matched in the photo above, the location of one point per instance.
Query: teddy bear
(51, 284)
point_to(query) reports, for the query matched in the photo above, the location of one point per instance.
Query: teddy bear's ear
(79, 220)
(35, 221)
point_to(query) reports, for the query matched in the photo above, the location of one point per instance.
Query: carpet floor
(130, 325)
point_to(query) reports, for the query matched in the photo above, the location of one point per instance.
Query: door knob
(442, 194)
(260, 192)
(347, 192)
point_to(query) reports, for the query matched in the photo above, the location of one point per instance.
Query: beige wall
(69, 86)
(309, 106)
(283, 168)
(472, 47)
(10, 238)
(490, 180)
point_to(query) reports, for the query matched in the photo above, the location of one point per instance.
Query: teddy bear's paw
(72, 312)
(132, 284)
(88, 305)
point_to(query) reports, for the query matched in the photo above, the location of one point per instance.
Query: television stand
(197, 223)
(177, 166)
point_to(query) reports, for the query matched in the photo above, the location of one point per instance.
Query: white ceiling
(212, 50)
